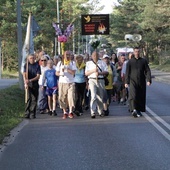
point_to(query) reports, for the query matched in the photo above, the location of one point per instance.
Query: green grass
(11, 74)
(11, 109)
(163, 67)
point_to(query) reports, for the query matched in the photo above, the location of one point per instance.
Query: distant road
(4, 83)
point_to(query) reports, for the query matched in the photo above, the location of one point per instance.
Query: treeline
(45, 13)
(150, 18)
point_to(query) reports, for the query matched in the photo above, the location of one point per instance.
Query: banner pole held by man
(28, 48)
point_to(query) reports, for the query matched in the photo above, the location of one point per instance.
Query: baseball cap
(105, 56)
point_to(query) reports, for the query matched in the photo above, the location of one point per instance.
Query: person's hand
(119, 67)
(26, 86)
(27, 81)
(126, 85)
(148, 83)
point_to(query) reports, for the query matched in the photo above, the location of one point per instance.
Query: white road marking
(158, 118)
(158, 127)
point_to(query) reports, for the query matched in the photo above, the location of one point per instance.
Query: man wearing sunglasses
(42, 97)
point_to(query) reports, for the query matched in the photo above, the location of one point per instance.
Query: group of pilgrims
(85, 82)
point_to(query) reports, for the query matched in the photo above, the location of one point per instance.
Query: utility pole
(0, 60)
(58, 22)
(19, 35)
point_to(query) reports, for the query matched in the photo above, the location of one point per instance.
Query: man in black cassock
(137, 74)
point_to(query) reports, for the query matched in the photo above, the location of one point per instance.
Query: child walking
(52, 87)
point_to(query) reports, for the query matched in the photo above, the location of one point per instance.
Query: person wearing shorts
(52, 87)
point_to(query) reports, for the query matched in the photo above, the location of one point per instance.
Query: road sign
(95, 24)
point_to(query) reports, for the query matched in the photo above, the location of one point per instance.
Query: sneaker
(70, 115)
(102, 114)
(54, 113)
(65, 115)
(139, 114)
(134, 113)
(93, 116)
(46, 111)
(77, 113)
(50, 113)
(32, 116)
(106, 112)
(41, 111)
(86, 107)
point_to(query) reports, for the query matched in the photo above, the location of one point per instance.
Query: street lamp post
(19, 32)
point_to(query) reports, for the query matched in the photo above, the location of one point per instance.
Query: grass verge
(11, 109)
(9, 74)
(163, 67)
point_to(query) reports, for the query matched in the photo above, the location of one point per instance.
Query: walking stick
(26, 89)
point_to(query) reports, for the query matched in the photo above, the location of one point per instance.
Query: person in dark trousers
(31, 76)
(137, 73)
(80, 84)
(42, 97)
(112, 78)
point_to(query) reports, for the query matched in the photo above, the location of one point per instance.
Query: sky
(108, 6)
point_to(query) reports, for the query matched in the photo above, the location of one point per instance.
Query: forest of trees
(150, 18)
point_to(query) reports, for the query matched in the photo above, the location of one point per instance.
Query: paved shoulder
(7, 82)
(161, 76)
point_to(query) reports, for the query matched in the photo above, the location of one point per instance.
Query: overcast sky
(108, 6)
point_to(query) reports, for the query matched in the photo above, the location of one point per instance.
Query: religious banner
(95, 24)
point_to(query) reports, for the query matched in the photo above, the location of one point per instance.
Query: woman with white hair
(56, 59)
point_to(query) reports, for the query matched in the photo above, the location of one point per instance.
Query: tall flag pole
(28, 47)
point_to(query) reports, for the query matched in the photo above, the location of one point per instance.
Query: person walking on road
(120, 83)
(66, 70)
(31, 76)
(137, 73)
(96, 69)
(112, 78)
(80, 84)
(51, 79)
(42, 97)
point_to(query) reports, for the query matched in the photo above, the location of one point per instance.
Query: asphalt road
(118, 141)
(7, 82)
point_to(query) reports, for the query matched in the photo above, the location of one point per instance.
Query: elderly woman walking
(80, 84)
